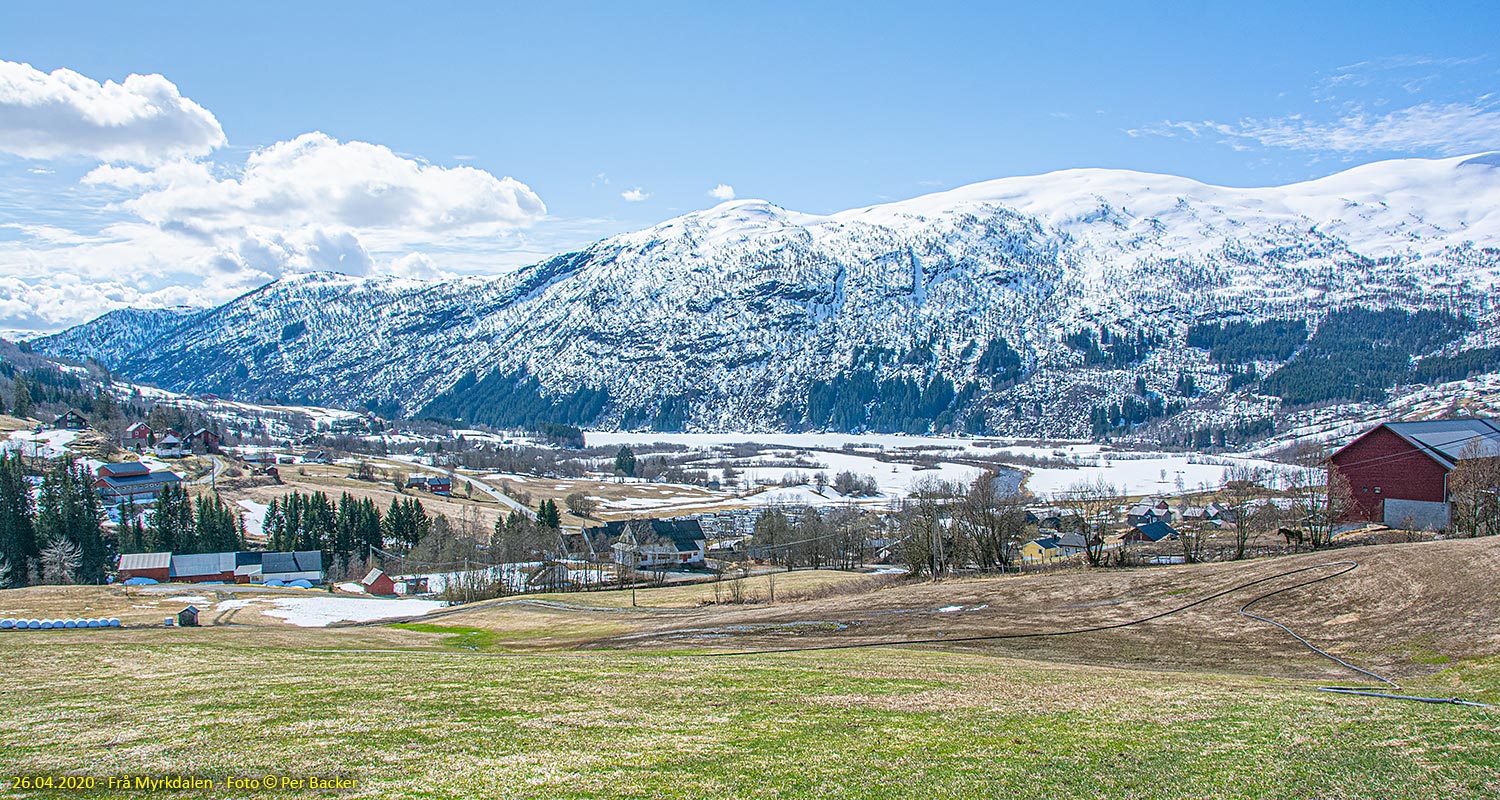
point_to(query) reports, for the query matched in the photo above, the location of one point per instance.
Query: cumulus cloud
(635, 195)
(722, 192)
(1445, 129)
(162, 224)
(143, 119)
(318, 180)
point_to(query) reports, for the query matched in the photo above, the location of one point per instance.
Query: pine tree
(625, 461)
(273, 526)
(68, 510)
(421, 524)
(22, 406)
(171, 526)
(548, 516)
(18, 543)
(132, 534)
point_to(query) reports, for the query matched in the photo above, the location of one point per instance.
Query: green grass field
(450, 721)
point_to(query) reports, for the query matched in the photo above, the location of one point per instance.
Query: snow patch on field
(320, 612)
(255, 518)
(47, 444)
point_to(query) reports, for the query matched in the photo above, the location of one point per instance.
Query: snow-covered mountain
(1014, 306)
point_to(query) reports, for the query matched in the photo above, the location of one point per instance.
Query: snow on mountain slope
(726, 318)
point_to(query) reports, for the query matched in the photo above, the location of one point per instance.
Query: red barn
(377, 582)
(156, 566)
(1399, 470)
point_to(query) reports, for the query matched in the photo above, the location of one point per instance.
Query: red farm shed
(1398, 471)
(377, 582)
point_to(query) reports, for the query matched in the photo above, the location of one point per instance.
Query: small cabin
(377, 582)
(188, 617)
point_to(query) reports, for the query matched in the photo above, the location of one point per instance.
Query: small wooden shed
(188, 617)
(377, 582)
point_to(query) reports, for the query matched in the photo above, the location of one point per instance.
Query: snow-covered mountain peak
(749, 315)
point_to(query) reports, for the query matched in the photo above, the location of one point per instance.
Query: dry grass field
(583, 695)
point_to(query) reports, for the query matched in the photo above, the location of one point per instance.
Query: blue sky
(610, 117)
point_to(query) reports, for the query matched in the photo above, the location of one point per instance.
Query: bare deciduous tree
(1320, 496)
(1095, 502)
(60, 561)
(1243, 486)
(1474, 491)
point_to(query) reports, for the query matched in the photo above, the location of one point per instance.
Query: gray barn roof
(145, 560)
(1448, 440)
(202, 564)
(300, 561)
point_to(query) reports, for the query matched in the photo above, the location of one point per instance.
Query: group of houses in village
(140, 439)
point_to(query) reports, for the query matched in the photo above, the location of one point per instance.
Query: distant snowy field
(1150, 473)
(1130, 472)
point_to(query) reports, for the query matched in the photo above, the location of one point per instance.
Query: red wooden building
(156, 566)
(137, 437)
(377, 582)
(1399, 470)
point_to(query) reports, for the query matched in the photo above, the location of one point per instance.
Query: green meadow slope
(552, 699)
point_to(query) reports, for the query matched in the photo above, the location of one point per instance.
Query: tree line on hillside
(346, 530)
(180, 524)
(56, 537)
(1239, 342)
(1358, 354)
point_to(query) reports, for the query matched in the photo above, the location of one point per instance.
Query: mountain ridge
(741, 316)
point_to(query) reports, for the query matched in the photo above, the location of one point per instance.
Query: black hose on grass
(1450, 701)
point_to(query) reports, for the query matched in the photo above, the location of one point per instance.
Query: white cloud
(1446, 129)
(318, 180)
(635, 195)
(722, 192)
(143, 119)
(160, 224)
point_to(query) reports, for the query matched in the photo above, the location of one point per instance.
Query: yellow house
(1049, 548)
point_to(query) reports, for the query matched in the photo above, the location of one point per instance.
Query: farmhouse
(170, 446)
(137, 437)
(132, 480)
(1397, 472)
(1142, 513)
(1212, 512)
(675, 542)
(71, 420)
(437, 485)
(1150, 533)
(1048, 548)
(203, 440)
